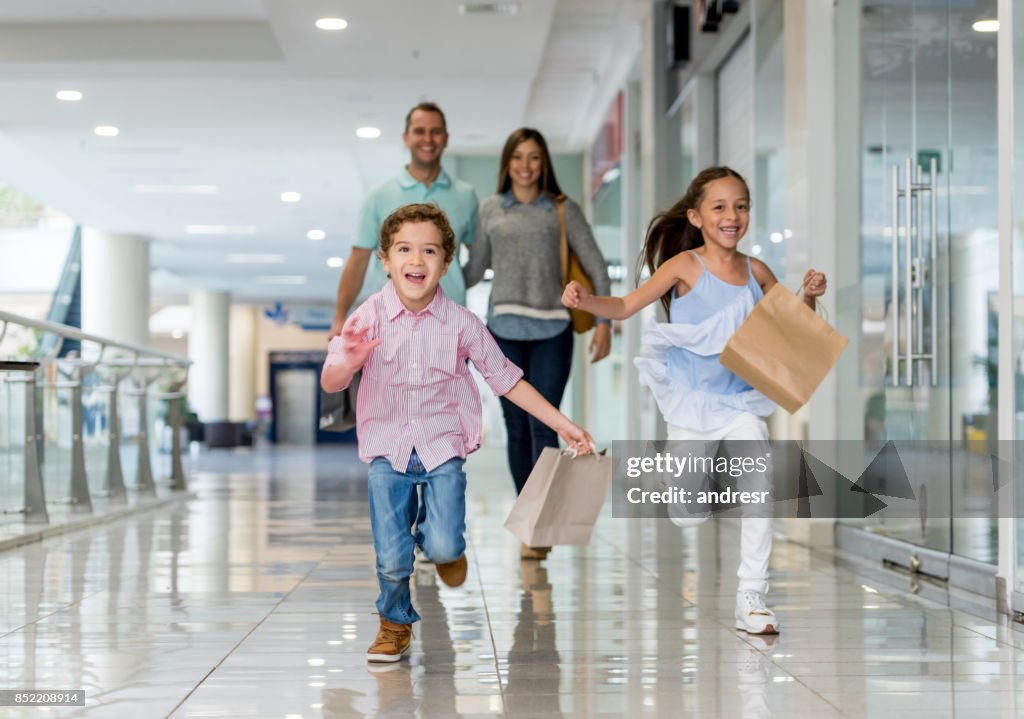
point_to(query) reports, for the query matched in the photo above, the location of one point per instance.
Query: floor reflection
(753, 676)
(256, 600)
(533, 640)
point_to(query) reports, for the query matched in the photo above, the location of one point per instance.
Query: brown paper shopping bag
(561, 500)
(783, 349)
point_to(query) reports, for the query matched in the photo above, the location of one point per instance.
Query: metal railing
(72, 417)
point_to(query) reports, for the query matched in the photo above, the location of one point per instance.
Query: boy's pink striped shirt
(416, 390)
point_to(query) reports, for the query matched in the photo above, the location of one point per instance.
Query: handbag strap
(564, 251)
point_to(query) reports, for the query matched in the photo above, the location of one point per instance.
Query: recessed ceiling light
(489, 8)
(755, 250)
(316, 234)
(332, 23)
(176, 189)
(69, 95)
(255, 259)
(290, 196)
(775, 237)
(177, 334)
(335, 261)
(281, 280)
(220, 230)
(986, 26)
(368, 133)
(106, 131)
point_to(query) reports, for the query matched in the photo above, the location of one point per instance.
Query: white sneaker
(752, 616)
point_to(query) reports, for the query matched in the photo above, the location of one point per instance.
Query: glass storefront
(917, 177)
(929, 259)
(1016, 86)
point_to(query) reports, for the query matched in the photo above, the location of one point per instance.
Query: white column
(242, 360)
(115, 286)
(651, 190)
(810, 146)
(809, 50)
(208, 350)
(845, 284)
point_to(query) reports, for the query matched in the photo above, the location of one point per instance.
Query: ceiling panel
(252, 98)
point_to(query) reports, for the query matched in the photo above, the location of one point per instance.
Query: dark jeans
(545, 365)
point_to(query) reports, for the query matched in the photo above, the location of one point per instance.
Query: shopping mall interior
(187, 525)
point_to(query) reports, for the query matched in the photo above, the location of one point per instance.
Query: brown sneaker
(391, 643)
(526, 552)
(453, 573)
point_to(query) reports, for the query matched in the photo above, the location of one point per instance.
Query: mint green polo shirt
(455, 197)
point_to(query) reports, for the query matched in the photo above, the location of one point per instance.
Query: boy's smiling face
(415, 261)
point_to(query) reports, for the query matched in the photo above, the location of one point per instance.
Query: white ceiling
(249, 96)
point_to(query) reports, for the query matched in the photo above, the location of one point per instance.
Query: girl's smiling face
(415, 261)
(724, 212)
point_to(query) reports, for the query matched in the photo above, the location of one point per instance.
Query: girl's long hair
(671, 232)
(547, 182)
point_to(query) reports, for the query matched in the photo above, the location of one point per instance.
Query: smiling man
(421, 181)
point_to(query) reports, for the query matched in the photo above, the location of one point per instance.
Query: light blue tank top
(708, 297)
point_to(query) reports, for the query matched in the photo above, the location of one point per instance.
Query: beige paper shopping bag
(783, 349)
(561, 500)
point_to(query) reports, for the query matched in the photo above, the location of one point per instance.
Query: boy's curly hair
(418, 213)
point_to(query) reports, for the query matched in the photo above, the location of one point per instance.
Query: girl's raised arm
(619, 308)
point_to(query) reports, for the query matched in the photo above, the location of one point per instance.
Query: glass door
(929, 268)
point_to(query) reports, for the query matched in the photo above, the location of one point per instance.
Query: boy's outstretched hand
(577, 438)
(354, 345)
(575, 295)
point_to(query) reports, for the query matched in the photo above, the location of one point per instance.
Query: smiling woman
(520, 238)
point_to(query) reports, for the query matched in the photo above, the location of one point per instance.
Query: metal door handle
(908, 280)
(918, 274)
(933, 182)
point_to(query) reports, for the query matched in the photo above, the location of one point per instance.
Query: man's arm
(349, 286)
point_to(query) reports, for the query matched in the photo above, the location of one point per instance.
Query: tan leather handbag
(573, 270)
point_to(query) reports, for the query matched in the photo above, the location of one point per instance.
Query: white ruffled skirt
(684, 405)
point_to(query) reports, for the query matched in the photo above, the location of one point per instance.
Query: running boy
(419, 412)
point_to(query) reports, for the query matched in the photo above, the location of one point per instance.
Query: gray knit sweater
(521, 243)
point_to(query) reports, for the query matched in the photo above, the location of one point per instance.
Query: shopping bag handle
(574, 453)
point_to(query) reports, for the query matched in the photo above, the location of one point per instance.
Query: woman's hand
(575, 296)
(577, 438)
(600, 342)
(815, 283)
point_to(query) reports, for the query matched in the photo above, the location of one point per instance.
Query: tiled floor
(256, 599)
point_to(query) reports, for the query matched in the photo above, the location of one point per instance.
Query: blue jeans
(393, 508)
(545, 365)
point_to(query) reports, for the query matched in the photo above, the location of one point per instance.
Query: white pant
(755, 531)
